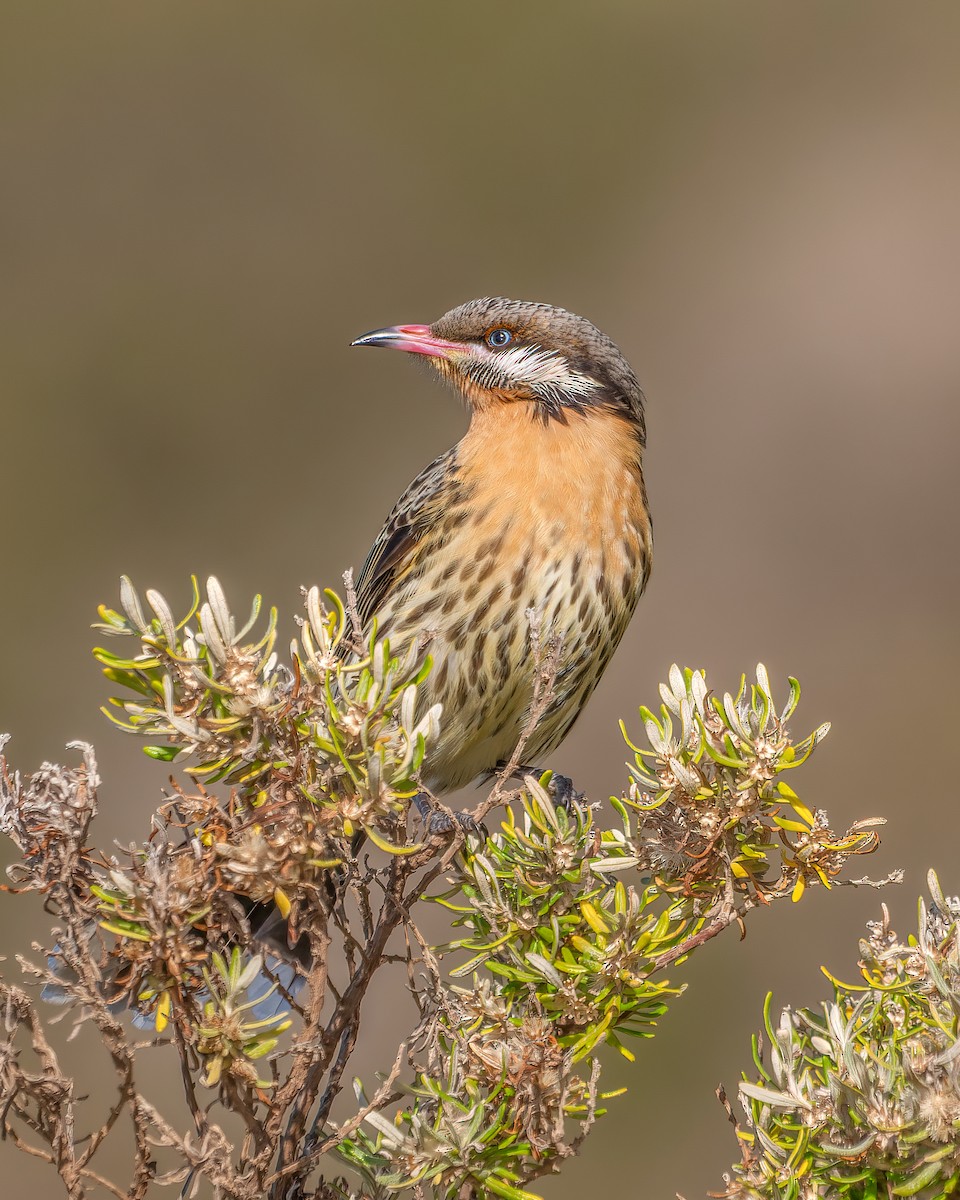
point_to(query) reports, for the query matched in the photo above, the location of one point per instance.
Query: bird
(540, 506)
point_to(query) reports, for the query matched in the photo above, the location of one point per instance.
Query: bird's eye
(498, 338)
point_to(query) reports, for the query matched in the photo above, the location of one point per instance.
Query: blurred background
(201, 204)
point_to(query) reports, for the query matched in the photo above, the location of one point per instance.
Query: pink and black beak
(415, 339)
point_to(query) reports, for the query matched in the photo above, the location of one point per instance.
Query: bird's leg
(438, 820)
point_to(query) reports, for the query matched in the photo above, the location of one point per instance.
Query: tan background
(202, 203)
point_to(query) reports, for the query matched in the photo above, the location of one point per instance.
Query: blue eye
(498, 338)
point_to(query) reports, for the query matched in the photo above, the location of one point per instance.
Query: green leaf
(507, 1191)
(918, 1181)
(162, 753)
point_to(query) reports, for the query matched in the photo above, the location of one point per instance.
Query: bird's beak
(415, 339)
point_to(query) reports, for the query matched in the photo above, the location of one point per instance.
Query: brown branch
(726, 917)
(311, 1051)
(546, 664)
(51, 1090)
(85, 1172)
(355, 635)
(346, 1016)
(385, 1095)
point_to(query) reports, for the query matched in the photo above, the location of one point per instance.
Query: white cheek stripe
(544, 371)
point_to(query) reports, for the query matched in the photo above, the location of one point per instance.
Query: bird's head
(498, 351)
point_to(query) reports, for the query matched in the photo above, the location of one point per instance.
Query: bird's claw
(560, 789)
(564, 795)
(440, 822)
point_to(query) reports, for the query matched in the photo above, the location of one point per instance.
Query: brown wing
(396, 543)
